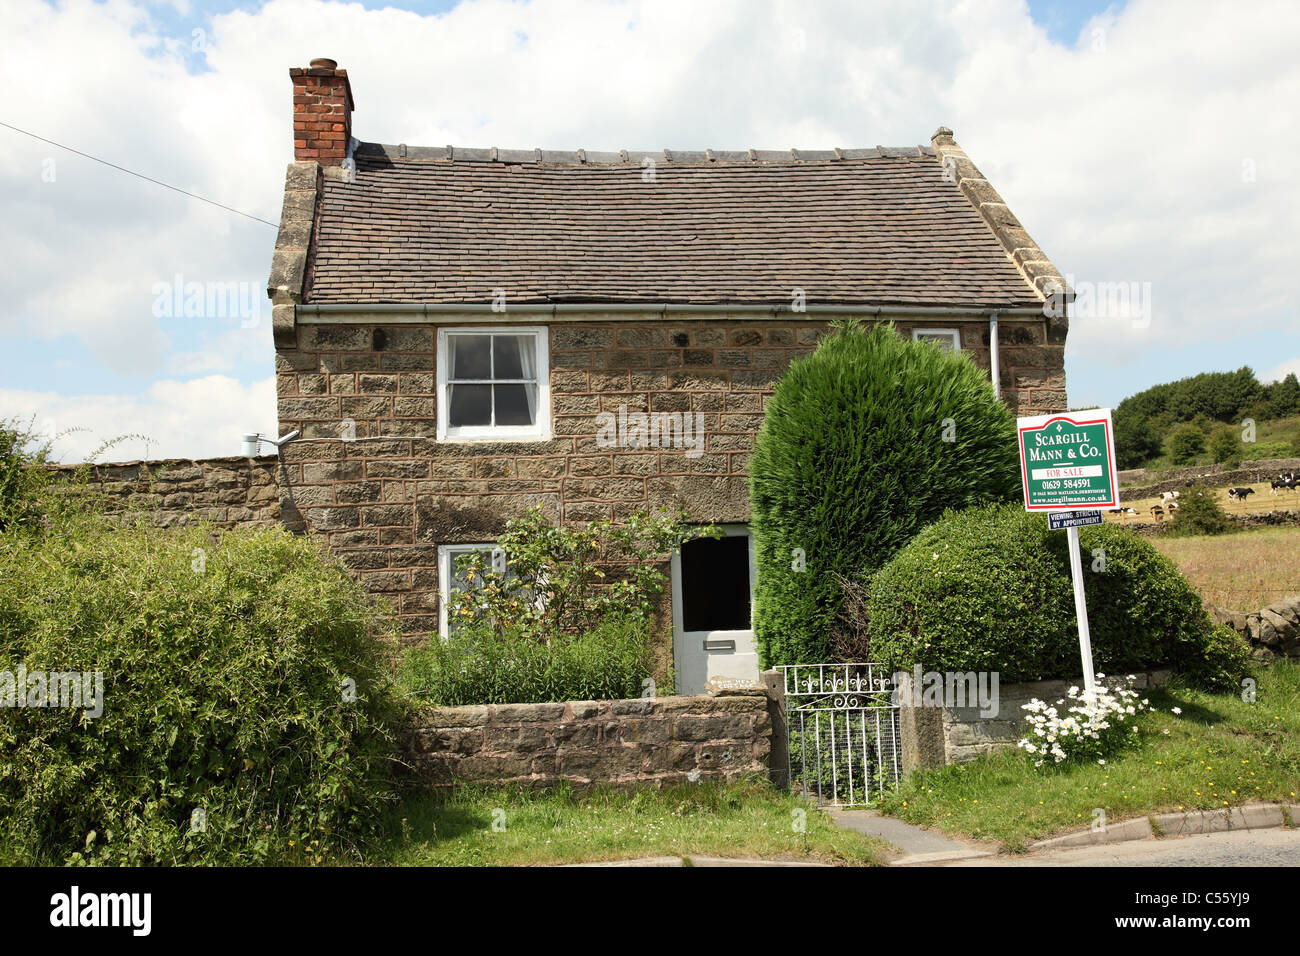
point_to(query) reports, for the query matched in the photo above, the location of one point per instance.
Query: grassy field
(1260, 502)
(1242, 571)
(505, 827)
(1219, 752)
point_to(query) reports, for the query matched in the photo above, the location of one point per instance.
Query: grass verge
(1220, 751)
(514, 827)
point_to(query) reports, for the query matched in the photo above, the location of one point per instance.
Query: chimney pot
(324, 63)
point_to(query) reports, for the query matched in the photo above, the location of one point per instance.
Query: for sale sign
(1067, 461)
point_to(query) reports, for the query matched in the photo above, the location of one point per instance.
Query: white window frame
(447, 555)
(540, 430)
(919, 335)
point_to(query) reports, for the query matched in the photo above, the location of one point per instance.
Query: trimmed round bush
(989, 589)
(978, 590)
(863, 444)
(246, 713)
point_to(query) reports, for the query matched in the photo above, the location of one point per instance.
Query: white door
(713, 601)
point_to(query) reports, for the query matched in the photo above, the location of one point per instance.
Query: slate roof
(450, 225)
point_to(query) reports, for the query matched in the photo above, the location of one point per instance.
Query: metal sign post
(1067, 461)
(1081, 612)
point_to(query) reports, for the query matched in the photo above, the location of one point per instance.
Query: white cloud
(199, 418)
(1163, 153)
(1281, 371)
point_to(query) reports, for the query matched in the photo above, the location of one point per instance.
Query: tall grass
(611, 662)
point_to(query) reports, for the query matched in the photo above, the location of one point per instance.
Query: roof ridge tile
(586, 157)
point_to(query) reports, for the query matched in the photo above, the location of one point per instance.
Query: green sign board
(1067, 461)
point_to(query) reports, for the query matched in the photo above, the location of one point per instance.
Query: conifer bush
(863, 444)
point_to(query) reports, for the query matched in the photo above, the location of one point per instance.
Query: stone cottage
(461, 333)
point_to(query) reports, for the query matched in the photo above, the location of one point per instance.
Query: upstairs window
(493, 384)
(947, 339)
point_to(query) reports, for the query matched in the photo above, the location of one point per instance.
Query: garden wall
(625, 743)
(226, 491)
(937, 736)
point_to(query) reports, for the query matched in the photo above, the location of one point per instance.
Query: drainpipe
(993, 354)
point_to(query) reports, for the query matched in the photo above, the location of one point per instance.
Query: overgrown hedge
(989, 589)
(862, 445)
(228, 673)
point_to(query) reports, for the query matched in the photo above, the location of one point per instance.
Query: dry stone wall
(1219, 476)
(1273, 631)
(626, 743)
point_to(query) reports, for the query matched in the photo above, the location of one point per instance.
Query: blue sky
(1122, 164)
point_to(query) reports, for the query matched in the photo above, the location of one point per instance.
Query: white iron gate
(843, 732)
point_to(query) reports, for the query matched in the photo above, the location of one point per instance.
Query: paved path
(694, 860)
(1277, 847)
(915, 844)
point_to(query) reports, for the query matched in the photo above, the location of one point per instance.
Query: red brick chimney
(322, 112)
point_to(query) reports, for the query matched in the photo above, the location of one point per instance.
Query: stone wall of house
(627, 743)
(936, 736)
(385, 499)
(389, 496)
(225, 491)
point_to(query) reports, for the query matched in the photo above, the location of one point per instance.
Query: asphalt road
(1272, 847)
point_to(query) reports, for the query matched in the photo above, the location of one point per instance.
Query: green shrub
(1137, 441)
(1225, 445)
(228, 672)
(936, 604)
(22, 474)
(862, 445)
(1199, 512)
(555, 580)
(989, 589)
(1186, 443)
(479, 665)
(1141, 610)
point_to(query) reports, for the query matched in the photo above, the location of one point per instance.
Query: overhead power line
(148, 179)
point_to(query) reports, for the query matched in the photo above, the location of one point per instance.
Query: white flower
(1176, 710)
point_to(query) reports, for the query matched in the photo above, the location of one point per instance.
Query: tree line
(1143, 421)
